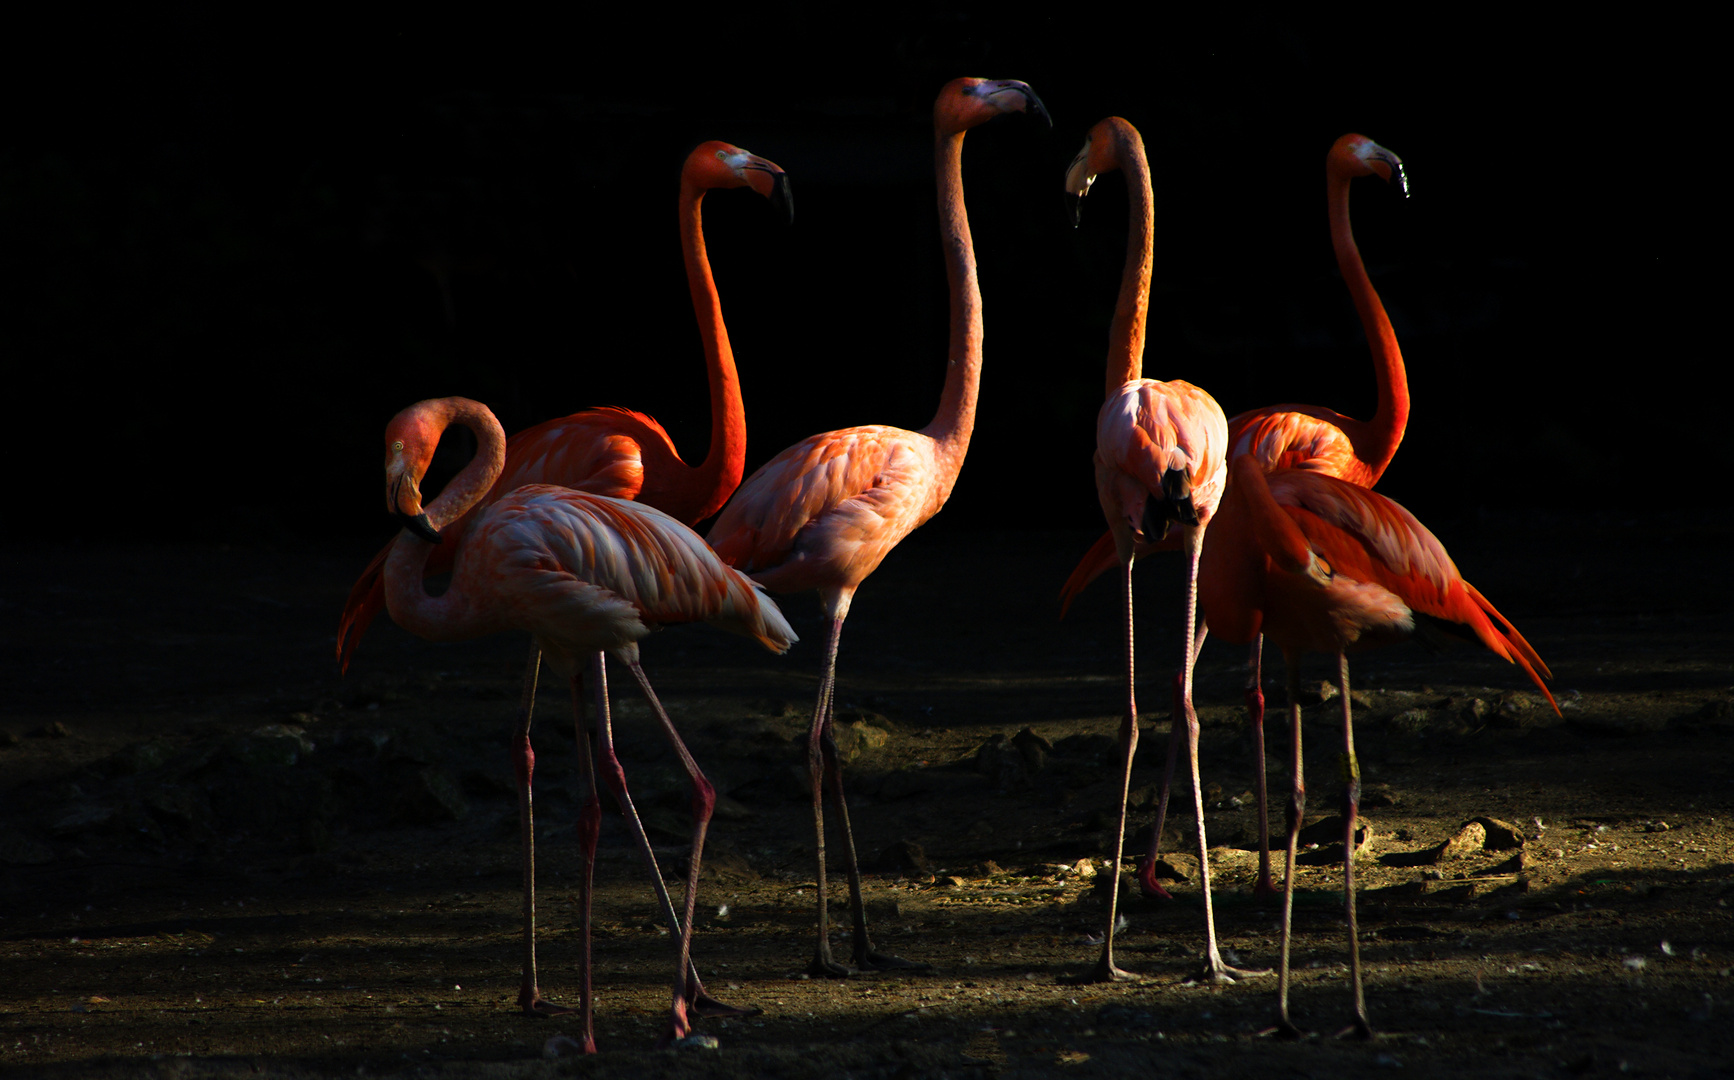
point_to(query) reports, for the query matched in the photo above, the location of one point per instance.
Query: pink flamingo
(585, 575)
(1307, 437)
(622, 454)
(825, 512)
(1318, 564)
(1159, 468)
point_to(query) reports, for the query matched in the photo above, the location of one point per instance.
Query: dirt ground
(217, 858)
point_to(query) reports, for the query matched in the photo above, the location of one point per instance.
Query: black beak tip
(1075, 208)
(421, 526)
(783, 196)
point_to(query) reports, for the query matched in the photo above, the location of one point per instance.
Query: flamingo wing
(1150, 430)
(829, 508)
(584, 572)
(1369, 540)
(1298, 437)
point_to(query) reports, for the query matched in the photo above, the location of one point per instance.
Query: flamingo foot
(1221, 974)
(679, 1027)
(1108, 971)
(1360, 1029)
(1146, 875)
(531, 1002)
(1285, 1030)
(702, 1004)
(874, 960)
(823, 967)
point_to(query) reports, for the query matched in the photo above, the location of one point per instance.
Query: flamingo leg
(1106, 970)
(1296, 810)
(703, 804)
(866, 957)
(823, 964)
(1255, 717)
(1147, 865)
(589, 833)
(524, 767)
(614, 776)
(1362, 1027)
(1215, 970)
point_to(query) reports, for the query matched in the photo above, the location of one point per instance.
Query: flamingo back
(1299, 437)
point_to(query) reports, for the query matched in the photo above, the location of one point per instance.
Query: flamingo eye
(722, 156)
(397, 446)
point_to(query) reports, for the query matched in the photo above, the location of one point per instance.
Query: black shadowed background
(232, 248)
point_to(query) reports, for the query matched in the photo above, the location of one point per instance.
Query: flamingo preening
(1305, 437)
(1159, 468)
(618, 453)
(585, 575)
(825, 512)
(1318, 564)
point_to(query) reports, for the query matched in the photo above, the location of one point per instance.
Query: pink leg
(866, 956)
(1147, 865)
(1255, 714)
(703, 803)
(1215, 970)
(1362, 1027)
(1297, 806)
(1106, 970)
(589, 831)
(524, 766)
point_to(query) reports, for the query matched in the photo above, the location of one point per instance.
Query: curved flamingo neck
(714, 479)
(1375, 441)
(1132, 309)
(955, 420)
(446, 617)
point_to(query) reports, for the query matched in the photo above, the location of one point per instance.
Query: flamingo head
(1357, 155)
(964, 103)
(1101, 153)
(720, 165)
(410, 440)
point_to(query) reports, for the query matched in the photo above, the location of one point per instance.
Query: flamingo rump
(584, 575)
(825, 512)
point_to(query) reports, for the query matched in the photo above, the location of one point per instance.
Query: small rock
(56, 730)
(1035, 749)
(858, 739)
(1318, 693)
(9, 738)
(562, 1046)
(1468, 841)
(1377, 796)
(429, 794)
(1501, 835)
(1412, 721)
(905, 857)
(83, 819)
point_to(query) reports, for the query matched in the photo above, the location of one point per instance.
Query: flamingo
(622, 454)
(1318, 564)
(1305, 437)
(1159, 468)
(585, 575)
(825, 512)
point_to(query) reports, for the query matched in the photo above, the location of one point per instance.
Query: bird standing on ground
(625, 455)
(584, 574)
(1304, 437)
(1318, 564)
(1159, 467)
(825, 512)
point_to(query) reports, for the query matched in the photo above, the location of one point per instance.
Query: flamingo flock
(579, 532)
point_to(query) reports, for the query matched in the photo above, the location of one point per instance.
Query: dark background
(231, 247)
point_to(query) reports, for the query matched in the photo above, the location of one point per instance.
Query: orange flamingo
(585, 575)
(619, 453)
(1322, 565)
(1305, 437)
(1159, 469)
(825, 512)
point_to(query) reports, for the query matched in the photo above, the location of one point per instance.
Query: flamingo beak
(421, 526)
(1078, 181)
(781, 195)
(405, 505)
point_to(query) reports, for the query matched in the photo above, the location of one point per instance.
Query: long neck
(1375, 441)
(450, 616)
(955, 420)
(716, 478)
(1131, 310)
